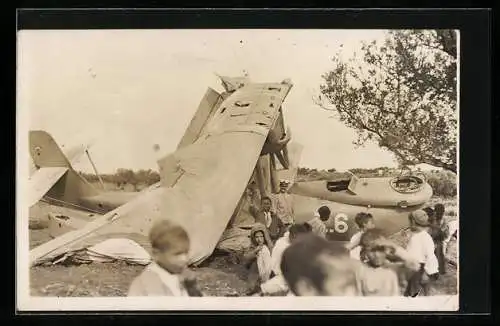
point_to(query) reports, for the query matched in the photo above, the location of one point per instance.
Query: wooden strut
(274, 174)
(260, 178)
(283, 158)
(95, 170)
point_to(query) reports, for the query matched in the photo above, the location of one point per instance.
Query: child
(421, 246)
(313, 266)
(267, 217)
(365, 222)
(276, 285)
(258, 258)
(162, 277)
(318, 223)
(384, 262)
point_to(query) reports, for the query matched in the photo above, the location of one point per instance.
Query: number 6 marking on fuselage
(340, 223)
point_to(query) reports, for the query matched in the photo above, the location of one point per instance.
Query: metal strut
(70, 204)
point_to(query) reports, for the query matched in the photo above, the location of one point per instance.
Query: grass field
(218, 276)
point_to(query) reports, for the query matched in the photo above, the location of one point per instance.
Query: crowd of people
(297, 259)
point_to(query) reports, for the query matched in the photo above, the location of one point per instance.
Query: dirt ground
(219, 276)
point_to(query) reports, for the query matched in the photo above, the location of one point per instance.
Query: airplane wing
(42, 180)
(201, 184)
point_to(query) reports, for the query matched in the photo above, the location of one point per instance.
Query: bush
(126, 176)
(443, 183)
(451, 213)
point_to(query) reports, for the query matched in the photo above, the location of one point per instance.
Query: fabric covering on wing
(42, 180)
(108, 251)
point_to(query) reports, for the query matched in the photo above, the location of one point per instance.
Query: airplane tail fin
(47, 155)
(45, 152)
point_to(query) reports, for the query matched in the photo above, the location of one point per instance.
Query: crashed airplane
(389, 199)
(55, 180)
(236, 140)
(203, 181)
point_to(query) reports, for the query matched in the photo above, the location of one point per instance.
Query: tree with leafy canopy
(125, 176)
(147, 177)
(402, 93)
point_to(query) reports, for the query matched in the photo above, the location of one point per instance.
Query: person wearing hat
(421, 246)
(283, 204)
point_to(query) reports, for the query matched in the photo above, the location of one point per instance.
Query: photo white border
(334, 304)
(26, 302)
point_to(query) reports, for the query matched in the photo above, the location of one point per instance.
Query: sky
(122, 91)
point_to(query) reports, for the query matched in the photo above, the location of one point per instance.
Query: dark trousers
(418, 283)
(439, 252)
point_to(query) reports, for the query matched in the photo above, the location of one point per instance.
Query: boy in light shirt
(166, 275)
(421, 246)
(365, 222)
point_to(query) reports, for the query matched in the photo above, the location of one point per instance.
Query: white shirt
(354, 244)
(171, 281)
(274, 285)
(279, 247)
(452, 228)
(318, 227)
(267, 216)
(264, 263)
(421, 247)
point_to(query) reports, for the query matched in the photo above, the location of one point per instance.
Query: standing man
(283, 204)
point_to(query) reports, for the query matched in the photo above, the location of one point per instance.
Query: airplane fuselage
(341, 224)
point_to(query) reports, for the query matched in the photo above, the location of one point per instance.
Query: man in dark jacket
(269, 218)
